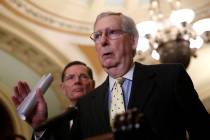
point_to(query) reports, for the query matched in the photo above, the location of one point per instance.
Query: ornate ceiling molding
(32, 12)
(33, 58)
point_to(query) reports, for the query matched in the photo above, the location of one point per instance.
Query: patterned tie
(117, 102)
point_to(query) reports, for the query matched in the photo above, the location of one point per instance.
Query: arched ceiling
(20, 59)
(78, 16)
(41, 36)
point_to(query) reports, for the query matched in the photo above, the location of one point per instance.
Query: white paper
(29, 102)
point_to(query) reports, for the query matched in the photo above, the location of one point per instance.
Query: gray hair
(128, 24)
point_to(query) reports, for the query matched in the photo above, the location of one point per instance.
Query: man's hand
(39, 113)
(20, 91)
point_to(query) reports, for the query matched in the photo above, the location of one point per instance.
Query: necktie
(117, 102)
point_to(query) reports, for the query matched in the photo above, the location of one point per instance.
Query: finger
(27, 88)
(41, 107)
(39, 113)
(22, 90)
(39, 95)
(15, 101)
(17, 95)
(41, 103)
(15, 91)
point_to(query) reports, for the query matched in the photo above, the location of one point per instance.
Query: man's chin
(109, 65)
(77, 95)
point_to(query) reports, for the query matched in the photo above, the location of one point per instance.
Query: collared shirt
(38, 135)
(128, 77)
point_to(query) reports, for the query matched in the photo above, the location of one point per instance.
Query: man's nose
(104, 39)
(77, 79)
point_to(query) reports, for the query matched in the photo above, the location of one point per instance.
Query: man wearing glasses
(163, 93)
(76, 81)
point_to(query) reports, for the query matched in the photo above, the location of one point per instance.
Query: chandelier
(174, 39)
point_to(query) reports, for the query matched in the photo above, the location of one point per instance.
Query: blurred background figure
(76, 81)
(11, 127)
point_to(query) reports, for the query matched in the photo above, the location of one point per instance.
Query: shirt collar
(128, 75)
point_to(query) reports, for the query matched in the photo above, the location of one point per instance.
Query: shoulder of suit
(168, 70)
(168, 66)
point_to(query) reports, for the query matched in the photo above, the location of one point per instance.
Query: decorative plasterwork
(44, 18)
(27, 53)
(47, 17)
(33, 58)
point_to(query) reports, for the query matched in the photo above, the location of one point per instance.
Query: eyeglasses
(72, 77)
(109, 33)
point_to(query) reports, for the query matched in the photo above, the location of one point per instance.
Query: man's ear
(93, 83)
(61, 86)
(135, 42)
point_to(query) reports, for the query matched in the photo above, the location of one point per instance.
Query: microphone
(132, 124)
(69, 114)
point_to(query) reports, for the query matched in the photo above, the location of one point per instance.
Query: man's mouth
(78, 90)
(107, 55)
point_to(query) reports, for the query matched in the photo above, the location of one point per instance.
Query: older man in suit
(163, 93)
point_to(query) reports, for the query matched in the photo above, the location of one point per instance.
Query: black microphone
(133, 124)
(69, 114)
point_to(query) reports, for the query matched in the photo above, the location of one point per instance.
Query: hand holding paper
(29, 102)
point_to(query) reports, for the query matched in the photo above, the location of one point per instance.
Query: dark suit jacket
(166, 96)
(57, 131)
(58, 127)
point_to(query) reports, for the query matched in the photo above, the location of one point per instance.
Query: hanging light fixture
(173, 39)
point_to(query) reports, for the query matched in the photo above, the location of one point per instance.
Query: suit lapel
(100, 104)
(143, 83)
